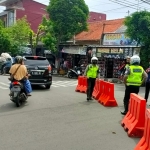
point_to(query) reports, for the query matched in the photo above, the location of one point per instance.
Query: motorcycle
(18, 94)
(5, 70)
(77, 71)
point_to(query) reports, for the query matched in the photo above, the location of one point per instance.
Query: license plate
(78, 72)
(16, 89)
(35, 73)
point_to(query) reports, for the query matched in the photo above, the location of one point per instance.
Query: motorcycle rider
(21, 74)
(91, 72)
(133, 79)
(7, 63)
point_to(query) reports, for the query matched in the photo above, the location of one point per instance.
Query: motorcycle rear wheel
(17, 101)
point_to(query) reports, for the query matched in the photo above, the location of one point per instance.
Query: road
(61, 119)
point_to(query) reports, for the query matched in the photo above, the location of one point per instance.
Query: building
(108, 41)
(16, 9)
(95, 16)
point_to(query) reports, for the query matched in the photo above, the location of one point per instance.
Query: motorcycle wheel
(17, 101)
(70, 75)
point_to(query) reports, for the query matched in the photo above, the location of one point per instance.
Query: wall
(94, 16)
(34, 12)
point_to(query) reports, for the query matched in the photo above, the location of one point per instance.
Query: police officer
(91, 72)
(133, 79)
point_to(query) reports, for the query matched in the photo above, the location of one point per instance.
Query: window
(11, 18)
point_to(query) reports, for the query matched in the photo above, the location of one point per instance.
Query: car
(39, 69)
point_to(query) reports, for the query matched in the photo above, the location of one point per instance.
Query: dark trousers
(129, 89)
(90, 86)
(2, 68)
(147, 88)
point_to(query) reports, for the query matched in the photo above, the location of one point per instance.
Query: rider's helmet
(94, 60)
(135, 60)
(18, 60)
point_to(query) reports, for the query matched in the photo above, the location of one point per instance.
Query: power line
(126, 4)
(129, 3)
(144, 1)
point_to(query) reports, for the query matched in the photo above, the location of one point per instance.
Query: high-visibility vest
(92, 71)
(135, 77)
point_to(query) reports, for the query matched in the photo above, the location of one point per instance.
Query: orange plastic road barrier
(134, 120)
(103, 88)
(80, 83)
(96, 91)
(107, 97)
(83, 88)
(144, 143)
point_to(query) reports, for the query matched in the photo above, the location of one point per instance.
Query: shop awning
(74, 50)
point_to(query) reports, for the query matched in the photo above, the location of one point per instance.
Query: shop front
(112, 54)
(72, 56)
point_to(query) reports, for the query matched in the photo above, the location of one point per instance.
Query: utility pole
(128, 12)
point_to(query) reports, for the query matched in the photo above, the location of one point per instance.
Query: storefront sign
(117, 39)
(103, 50)
(115, 50)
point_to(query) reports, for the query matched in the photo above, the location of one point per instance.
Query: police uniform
(91, 72)
(134, 75)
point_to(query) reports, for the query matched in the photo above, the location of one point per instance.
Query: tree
(19, 33)
(138, 28)
(48, 37)
(45, 34)
(5, 44)
(68, 18)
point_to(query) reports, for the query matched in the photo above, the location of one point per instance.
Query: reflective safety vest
(135, 77)
(92, 71)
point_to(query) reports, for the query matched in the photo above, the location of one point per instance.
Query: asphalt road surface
(61, 119)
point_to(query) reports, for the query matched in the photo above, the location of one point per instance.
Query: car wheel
(47, 86)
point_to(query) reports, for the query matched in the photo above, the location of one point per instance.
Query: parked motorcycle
(74, 73)
(18, 94)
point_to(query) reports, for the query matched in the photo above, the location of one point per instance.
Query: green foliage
(48, 37)
(19, 32)
(68, 17)
(138, 28)
(5, 44)
(15, 36)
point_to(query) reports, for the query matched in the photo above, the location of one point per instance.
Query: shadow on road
(39, 88)
(11, 107)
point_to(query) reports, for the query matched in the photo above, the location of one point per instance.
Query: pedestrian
(134, 77)
(147, 85)
(127, 64)
(91, 72)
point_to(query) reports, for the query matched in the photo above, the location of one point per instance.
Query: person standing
(133, 79)
(126, 65)
(147, 85)
(91, 72)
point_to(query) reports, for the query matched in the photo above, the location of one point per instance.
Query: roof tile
(96, 29)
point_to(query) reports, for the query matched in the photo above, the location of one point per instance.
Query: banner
(74, 50)
(118, 39)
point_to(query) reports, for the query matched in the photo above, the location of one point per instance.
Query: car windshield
(38, 61)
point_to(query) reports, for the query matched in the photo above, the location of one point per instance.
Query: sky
(113, 9)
